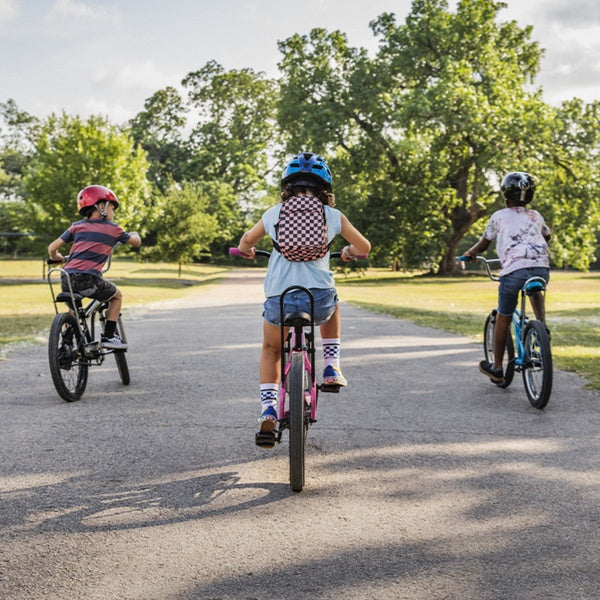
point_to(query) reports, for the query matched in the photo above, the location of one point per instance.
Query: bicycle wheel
(120, 356)
(488, 349)
(537, 370)
(66, 354)
(297, 423)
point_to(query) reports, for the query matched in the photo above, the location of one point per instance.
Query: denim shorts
(325, 302)
(90, 286)
(511, 284)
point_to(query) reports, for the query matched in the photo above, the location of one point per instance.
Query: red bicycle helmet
(92, 194)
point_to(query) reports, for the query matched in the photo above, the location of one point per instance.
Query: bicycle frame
(519, 317)
(297, 340)
(85, 314)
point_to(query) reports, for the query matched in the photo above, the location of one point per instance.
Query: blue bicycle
(534, 355)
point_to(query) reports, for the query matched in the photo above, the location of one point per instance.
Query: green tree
(235, 125)
(17, 134)
(425, 128)
(159, 130)
(187, 226)
(71, 153)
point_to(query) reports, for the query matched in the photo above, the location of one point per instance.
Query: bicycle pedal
(332, 388)
(265, 439)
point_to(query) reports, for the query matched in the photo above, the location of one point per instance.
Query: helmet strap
(103, 211)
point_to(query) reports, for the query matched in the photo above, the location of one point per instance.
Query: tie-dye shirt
(93, 241)
(519, 235)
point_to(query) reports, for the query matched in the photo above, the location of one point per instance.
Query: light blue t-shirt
(283, 273)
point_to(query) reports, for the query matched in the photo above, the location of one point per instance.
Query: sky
(108, 56)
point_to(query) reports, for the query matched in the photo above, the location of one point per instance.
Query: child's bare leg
(333, 327)
(537, 303)
(500, 336)
(270, 356)
(114, 307)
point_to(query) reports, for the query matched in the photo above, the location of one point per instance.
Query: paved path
(424, 480)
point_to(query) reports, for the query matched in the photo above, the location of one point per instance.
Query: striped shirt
(93, 241)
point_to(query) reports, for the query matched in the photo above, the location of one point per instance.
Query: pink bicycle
(299, 390)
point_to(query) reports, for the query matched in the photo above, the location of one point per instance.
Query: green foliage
(235, 127)
(70, 154)
(186, 226)
(159, 130)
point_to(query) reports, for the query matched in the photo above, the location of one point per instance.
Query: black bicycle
(74, 340)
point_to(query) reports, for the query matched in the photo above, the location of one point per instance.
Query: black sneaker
(487, 368)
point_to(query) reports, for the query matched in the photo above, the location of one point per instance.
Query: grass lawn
(26, 309)
(460, 305)
(457, 305)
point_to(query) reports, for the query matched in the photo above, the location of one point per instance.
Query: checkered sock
(268, 395)
(331, 352)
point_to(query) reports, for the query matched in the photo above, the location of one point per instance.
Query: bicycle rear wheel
(297, 422)
(66, 354)
(537, 370)
(488, 349)
(120, 356)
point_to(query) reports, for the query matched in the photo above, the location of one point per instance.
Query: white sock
(331, 352)
(269, 393)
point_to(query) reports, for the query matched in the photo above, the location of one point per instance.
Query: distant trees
(418, 136)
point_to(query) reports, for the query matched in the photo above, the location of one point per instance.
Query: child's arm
(134, 239)
(251, 238)
(54, 247)
(481, 246)
(358, 244)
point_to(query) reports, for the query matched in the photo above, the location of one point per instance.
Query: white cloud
(80, 10)
(132, 76)
(117, 113)
(8, 11)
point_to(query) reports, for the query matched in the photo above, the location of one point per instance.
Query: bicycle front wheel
(120, 356)
(537, 370)
(66, 354)
(488, 349)
(297, 423)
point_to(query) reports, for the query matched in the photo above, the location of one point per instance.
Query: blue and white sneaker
(333, 376)
(268, 419)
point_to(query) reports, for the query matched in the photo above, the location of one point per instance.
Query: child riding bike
(306, 206)
(93, 240)
(522, 239)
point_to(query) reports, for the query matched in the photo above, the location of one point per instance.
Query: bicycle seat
(66, 297)
(533, 287)
(297, 319)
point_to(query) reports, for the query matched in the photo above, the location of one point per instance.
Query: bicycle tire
(66, 355)
(537, 370)
(297, 425)
(488, 349)
(121, 358)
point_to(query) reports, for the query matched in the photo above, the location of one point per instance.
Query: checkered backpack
(302, 229)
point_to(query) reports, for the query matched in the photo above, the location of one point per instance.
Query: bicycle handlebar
(486, 262)
(237, 252)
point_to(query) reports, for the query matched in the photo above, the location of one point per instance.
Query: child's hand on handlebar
(345, 254)
(248, 254)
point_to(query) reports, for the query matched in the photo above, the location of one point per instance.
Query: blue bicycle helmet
(309, 169)
(518, 187)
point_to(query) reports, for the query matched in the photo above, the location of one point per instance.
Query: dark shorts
(511, 284)
(90, 286)
(325, 302)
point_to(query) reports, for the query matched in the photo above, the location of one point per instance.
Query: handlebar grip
(465, 258)
(236, 252)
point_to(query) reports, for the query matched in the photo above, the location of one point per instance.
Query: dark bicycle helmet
(308, 169)
(89, 196)
(518, 187)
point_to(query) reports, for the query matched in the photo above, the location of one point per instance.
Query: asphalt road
(424, 480)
